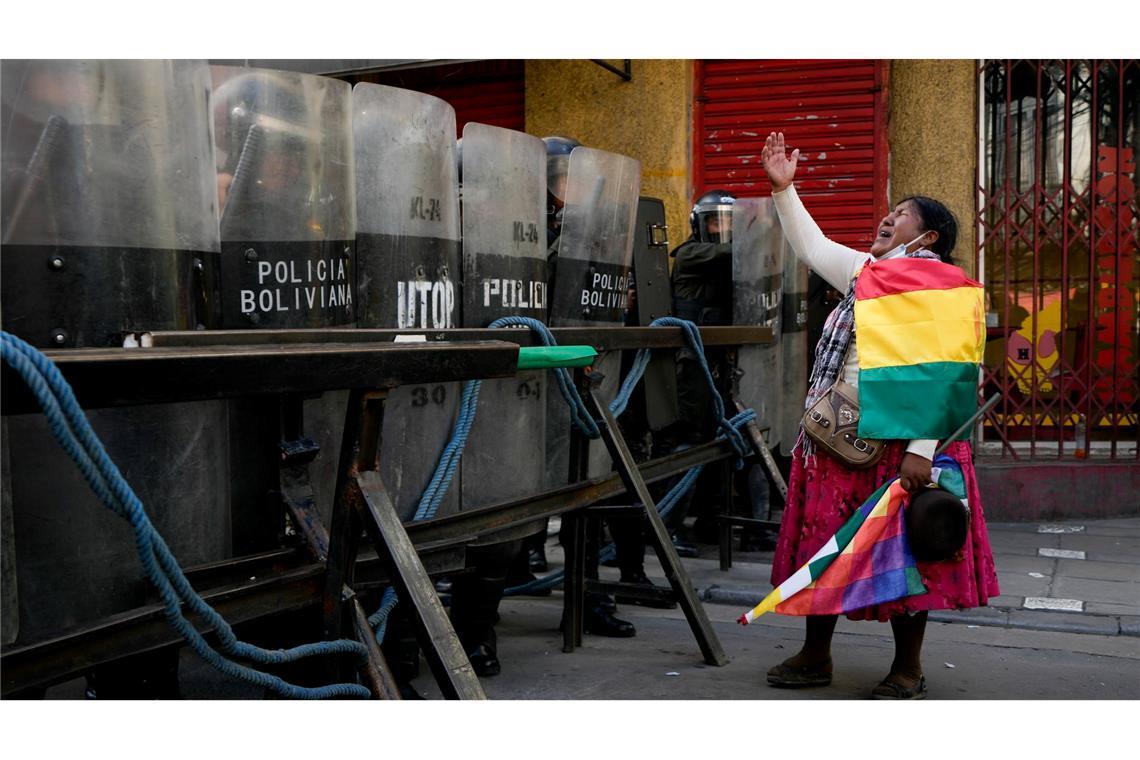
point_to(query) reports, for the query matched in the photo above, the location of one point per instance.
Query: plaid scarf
(831, 351)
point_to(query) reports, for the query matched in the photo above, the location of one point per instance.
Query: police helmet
(270, 100)
(713, 210)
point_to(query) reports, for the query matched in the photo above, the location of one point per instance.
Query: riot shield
(409, 265)
(284, 162)
(110, 227)
(504, 266)
(757, 289)
(591, 271)
(106, 229)
(504, 244)
(596, 243)
(655, 299)
(794, 354)
(408, 207)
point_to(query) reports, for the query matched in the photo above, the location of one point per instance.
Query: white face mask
(903, 249)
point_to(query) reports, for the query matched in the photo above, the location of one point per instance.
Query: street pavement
(1015, 649)
(1066, 626)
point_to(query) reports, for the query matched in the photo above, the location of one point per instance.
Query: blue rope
(74, 433)
(579, 414)
(379, 618)
(449, 460)
(580, 417)
(664, 507)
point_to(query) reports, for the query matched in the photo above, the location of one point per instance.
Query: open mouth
(884, 234)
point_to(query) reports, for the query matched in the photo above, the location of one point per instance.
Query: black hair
(937, 218)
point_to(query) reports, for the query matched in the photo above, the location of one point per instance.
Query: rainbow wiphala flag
(867, 562)
(920, 334)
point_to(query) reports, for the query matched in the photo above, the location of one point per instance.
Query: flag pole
(969, 423)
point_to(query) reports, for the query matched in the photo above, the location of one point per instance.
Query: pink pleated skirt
(824, 493)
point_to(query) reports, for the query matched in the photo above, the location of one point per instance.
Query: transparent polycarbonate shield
(110, 224)
(504, 241)
(409, 265)
(284, 179)
(107, 153)
(108, 200)
(284, 155)
(795, 355)
(408, 208)
(595, 246)
(757, 299)
(504, 262)
(591, 279)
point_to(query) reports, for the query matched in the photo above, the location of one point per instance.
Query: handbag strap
(841, 377)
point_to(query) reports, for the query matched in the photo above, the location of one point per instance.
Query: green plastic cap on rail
(549, 357)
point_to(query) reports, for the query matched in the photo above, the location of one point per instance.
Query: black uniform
(702, 293)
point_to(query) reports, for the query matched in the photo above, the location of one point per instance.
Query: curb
(998, 617)
(735, 596)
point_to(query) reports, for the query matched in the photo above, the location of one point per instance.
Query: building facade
(1037, 159)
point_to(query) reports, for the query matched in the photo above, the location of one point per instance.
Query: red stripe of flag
(893, 276)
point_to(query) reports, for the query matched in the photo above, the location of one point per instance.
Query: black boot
(401, 649)
(536, 559)
(475, 603)
(601, 623)
(485, 660)
(603, 602)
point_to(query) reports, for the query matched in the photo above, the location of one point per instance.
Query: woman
(823, 492)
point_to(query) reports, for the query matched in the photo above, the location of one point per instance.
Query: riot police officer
(558, 150)
(702, 293)
(701, 281)
(702, 267)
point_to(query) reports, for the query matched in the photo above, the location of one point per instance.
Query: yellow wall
(647, 118)
(933, 140)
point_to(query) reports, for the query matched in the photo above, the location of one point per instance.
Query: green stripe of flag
(914, 584)
(929, 400)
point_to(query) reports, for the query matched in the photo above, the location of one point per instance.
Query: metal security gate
(835, 112)
(1057, 244)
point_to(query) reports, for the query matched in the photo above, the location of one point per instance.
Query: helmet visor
(715, 225)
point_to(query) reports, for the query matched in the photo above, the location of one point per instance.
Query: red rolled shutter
(833, 111)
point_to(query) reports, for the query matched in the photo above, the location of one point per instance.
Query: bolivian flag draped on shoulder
(920, 334)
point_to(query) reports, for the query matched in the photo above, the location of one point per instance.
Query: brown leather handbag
(833, 422)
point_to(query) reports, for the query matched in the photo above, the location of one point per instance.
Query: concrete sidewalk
(1076, 577)
(1063, 628)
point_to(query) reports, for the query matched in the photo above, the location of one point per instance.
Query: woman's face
(899, 227)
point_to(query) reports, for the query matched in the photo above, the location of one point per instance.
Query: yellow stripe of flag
(931, 332)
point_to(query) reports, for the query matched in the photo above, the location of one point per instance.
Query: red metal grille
(1058, 219)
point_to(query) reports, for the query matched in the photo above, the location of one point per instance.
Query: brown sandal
(888, 689)
(799, 676)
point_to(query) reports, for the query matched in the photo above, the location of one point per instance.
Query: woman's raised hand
(781, 169)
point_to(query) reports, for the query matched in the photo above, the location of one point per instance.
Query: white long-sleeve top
(835, 263)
